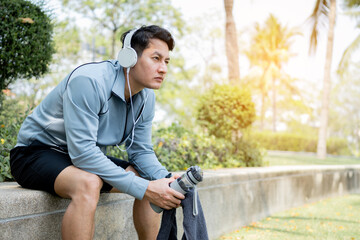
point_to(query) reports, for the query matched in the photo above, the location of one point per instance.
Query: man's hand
(160, 193)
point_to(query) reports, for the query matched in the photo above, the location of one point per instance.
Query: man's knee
(79, 185)
(88, 188)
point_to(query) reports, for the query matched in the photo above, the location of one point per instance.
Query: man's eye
(156, 58)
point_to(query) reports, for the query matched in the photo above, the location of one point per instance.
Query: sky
(289, 13)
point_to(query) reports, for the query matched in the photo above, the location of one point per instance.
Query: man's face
(151, 67)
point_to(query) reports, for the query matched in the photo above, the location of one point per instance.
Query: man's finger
(177, 194)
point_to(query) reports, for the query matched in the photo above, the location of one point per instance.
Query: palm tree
(232, 50)
(269, 51)
(324, 9)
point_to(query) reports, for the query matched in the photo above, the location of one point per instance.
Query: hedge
(283, 141)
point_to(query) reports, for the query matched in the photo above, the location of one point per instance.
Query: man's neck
(134, 90)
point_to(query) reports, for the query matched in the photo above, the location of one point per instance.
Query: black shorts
(37, 166)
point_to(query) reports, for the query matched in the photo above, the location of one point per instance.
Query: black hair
(141, 38)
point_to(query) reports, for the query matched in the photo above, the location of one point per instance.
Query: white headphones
(127, 56)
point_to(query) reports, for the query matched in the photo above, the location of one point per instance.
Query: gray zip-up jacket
(85, 113)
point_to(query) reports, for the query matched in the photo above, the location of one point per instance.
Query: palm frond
(348, 53)
(318, 19)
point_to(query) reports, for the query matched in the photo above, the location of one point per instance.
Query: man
(61, 145)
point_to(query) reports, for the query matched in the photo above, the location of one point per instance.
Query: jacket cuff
(138, 187)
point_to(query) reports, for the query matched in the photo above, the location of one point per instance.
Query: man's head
(141, 38)
(151, 44)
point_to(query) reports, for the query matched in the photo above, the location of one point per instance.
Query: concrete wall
(230, 198)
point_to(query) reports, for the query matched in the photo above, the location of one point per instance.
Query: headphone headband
(127, 41)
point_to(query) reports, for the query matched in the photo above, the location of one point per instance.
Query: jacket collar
(119, 86)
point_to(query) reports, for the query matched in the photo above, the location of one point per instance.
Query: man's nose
(163, 68)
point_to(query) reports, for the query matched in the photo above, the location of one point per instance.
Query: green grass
(282, 159)
(330, 219)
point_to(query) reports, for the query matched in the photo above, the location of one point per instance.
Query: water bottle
(184, 184)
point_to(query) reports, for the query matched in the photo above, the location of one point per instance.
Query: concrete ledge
(230, 198)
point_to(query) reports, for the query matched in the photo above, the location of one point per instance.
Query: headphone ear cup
(127, 57)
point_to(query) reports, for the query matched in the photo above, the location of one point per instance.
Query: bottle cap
(196, 173)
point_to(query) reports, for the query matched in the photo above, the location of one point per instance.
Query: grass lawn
(280, 159)
(330, 219)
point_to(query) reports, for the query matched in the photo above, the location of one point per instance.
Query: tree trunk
(263, 95)
(274, 103)
(232, 51)
(321, 146)
(262, 113)
(113, 43)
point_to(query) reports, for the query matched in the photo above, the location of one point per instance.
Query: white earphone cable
(132, 111)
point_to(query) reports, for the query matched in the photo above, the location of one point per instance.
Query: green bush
(338, 146)
(26, 44)
(225, 110)
(11, 117)
(7, 142)
(298, 143)
(250, 153)
(178, 148)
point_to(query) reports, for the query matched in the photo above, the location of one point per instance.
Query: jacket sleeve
(82, 101)
(141, 153)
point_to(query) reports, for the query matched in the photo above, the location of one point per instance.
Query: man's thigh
(71, 178)
(36, 167)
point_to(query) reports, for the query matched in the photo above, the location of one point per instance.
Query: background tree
(344, 115)
(269, 50)
(324, 11)
(232, 50)
(67, 41)
(26, 44)
(116, 16)
(352, 7)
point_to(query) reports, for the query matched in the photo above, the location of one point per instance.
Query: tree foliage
(352, 10)
(26, 44)
(344, 113)
(116, 16)
(225, 110)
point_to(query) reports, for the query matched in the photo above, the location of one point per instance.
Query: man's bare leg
(83, 188)
(146, 221)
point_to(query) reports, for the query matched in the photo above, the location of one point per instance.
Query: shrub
(26, 44)
(7, 142)
(11, 117)
(224, 110)
(250, 153)
(178, 148)
(338, 146)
